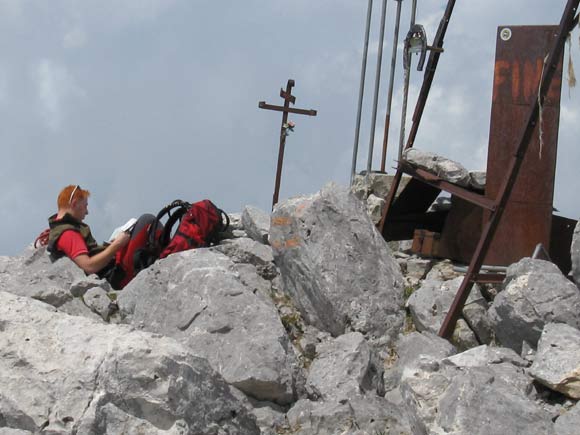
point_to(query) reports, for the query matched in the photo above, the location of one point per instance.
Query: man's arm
(97, 262)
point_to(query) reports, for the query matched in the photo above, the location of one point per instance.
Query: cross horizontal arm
(263, 105)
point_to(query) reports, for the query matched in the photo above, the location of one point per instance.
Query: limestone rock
(63, 374)
(99, 302)
(198, 298)
(375, 207)
(444, 168)
(463, 337)
(412, 351)
(376, 183)
(345, 367)
(246, 250)
(442, 271)
(356, 416)
(475, 314)
(431, 302)
(472, 400)
(477, 179)
(336, 266)
(478, 402)
(486, 355)
(535, 293)
(35, 276)
(568, 423)
(256, 223)
(504, 363)
(557, 363)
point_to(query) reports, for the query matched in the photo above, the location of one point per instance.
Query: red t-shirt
(72, 244)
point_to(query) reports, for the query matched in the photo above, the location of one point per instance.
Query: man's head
(74, 201)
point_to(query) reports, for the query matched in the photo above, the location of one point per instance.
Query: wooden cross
(286, 109)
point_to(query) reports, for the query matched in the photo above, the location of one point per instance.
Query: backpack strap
(157, 244)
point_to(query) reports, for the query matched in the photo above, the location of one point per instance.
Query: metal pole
(287, 99)
(391, 85)
(377, 86)
(361, 91)
(407, 68)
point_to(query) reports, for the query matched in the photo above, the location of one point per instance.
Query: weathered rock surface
(61, 284)
(478, 402)
(535, 293)
(198, 298)
(375, 206)
(470, 400)
(256, 223)
(319, 243)
(478, 179)
(35, 276)
(444, 168)
(356, 416)
(376, 183)
(568, 423)
(431, 302)
(345, 367)
(412, 351)
(247, 251)
(557, 362)
(62, 374)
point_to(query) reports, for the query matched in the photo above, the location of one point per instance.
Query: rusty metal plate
(527, 220)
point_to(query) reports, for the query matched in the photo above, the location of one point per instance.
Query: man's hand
(121, 240)
(95, 263)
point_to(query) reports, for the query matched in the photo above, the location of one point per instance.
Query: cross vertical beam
(286, 109)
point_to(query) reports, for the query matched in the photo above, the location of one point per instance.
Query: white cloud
(54, 85)
(74, 38)
(11, 8)
(3, 86)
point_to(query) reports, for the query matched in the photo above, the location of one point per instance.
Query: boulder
(412, 351)
(535, 293)
(431, 302)
(478, 402)
(34, 275)
(444, 168)
(198, 298)
(61, 284)
(345, 367)
(557, 362)
(256, 223)
(247, 251)
(471, 400)
(376, 183)
(477, 179)
(336, 266)
(62, 374)
(504, 363)
(568, 423)
(375, 206)
(355, 416)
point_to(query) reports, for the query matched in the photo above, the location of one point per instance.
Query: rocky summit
(302, 321)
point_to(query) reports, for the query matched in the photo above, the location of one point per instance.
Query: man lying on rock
(70, 237)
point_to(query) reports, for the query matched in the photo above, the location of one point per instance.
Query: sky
(146, 101)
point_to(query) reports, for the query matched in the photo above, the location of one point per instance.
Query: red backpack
(199, 225)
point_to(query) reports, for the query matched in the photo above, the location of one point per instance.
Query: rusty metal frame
(567, 23)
